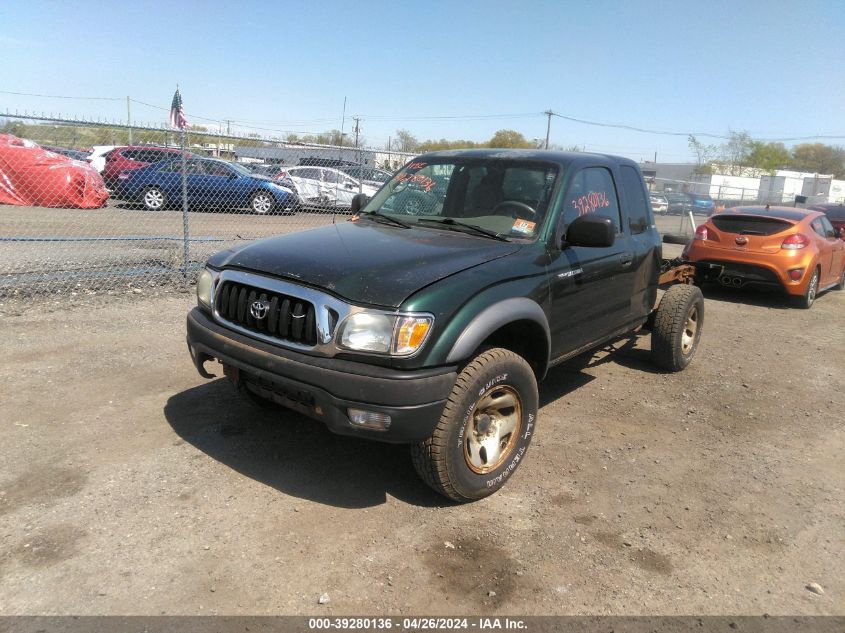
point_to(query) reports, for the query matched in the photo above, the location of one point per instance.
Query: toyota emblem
(258, 309)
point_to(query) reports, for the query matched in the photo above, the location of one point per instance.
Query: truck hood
(365, 262)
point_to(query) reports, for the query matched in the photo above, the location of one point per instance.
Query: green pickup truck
(429, 317)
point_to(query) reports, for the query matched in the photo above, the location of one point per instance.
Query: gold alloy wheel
(690, 328)
(492, 429)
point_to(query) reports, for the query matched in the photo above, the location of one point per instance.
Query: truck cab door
(646, 247)
(589, 298)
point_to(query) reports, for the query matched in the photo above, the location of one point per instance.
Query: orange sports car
(794, 249)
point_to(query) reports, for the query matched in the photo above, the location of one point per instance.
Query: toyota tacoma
(429, 317)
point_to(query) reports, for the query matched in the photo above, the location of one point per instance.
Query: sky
(440, 69)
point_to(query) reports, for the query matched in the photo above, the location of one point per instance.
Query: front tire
(262, 203)
(677, 327)
(484, 430)
(841, 284)
(154, 199)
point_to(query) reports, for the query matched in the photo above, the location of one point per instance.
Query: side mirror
(842, 232)
(359, 200)
(591, 230)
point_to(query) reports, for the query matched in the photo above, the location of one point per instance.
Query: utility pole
(549, 114)
(129, 119)
(357, 120)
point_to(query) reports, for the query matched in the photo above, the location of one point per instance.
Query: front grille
(288, 318)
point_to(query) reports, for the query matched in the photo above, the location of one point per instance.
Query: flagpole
(185, 253)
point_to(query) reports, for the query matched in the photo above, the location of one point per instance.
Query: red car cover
(32, 176)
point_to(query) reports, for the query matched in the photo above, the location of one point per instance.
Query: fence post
(185, 253)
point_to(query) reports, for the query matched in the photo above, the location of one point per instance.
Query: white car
(98, 156)
(325, 186)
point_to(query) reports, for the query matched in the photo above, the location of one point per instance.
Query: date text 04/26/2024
(415, 624)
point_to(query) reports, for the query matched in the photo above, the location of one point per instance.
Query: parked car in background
(97, 157)
(368, 175)
(210, 183)
(701, 203)
(797, 250)
(659, 203)
(325, 186)
(33, 176)
(75, 154)
(122, 159)
(835, 214)
(677, 203)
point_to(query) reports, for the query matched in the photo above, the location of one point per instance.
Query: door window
(308, 173)
(331, 177)
(639, 213)
(591, 191)
(216, 169)
(817, 227)
(193, 168)
(829, 231)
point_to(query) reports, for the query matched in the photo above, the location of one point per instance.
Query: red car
(132, 157)
(835, 213)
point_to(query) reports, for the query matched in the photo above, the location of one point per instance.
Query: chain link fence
(88, 205)
(680, 205)
(91, 205)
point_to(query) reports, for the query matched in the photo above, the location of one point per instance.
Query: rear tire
(806, 301)
(484, 430)
(677, 327)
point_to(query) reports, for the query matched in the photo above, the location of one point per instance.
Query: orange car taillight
(794, 242)
(700, 233)
(796, 273)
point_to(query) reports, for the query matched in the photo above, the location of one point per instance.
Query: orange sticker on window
(523, 226)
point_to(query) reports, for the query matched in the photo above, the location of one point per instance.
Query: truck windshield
(507, 197)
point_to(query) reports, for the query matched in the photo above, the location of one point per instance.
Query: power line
(465, 117)
(32, 94)
(632, 128)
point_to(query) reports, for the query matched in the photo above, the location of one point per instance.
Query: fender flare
(491, 319)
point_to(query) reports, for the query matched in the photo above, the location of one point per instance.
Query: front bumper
(324, 388)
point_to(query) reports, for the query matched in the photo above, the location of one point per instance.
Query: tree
(735, 153)
(432, 145)
(509, 138)
(704, 154)
(819, 158)
(768, 156)
(406, 142)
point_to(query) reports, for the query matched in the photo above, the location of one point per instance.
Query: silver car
(325, 186)
(659, 202)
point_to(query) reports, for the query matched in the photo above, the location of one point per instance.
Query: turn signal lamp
(410, 334)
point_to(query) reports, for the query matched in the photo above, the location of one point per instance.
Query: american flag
(177, 112)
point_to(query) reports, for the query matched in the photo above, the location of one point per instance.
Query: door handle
(625, 259)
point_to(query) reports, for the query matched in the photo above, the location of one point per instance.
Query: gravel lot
(132, 486)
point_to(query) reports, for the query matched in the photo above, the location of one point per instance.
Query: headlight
(204, 284)
(383, 333)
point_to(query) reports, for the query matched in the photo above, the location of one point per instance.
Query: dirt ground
(130, 485)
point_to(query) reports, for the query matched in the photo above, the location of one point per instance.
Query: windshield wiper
(472, 227)
(377, 216)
